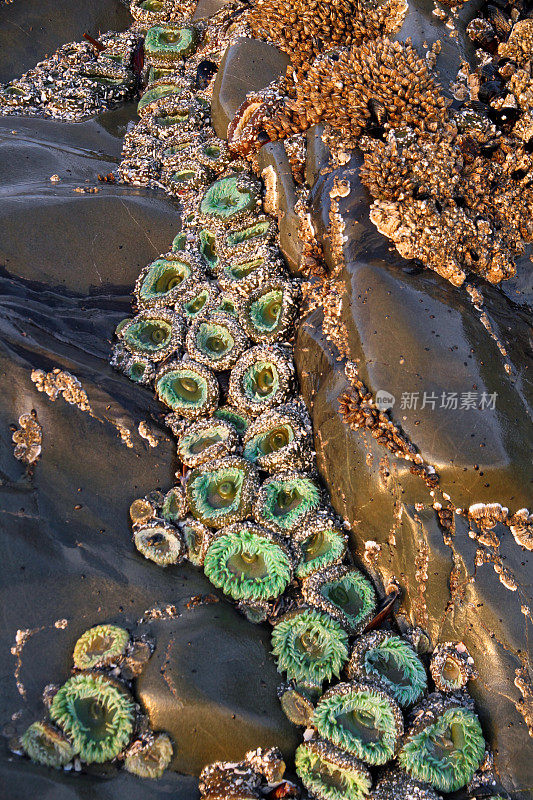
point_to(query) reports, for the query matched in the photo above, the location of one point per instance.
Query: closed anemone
(216, 341)
(391, 660)
(45, 745)
(158, 91)
(207, 247)
(451, 666)
(96, 713)
(149, 12)
(160, 543)
(166, 44)
(100, 646)
(166, 280)
(188, 388)
(362, 719)
(138, 369)
(311, 647)
(214, 154)
(239, 419)
(153, 334)
(296, 706)
(396, 785)
(197, 538)
(228, 303)
(344, 593)
(280, 439)
(262, 378)
(206, 440)
(269, 311)
(444, 746)
(244, 275)
(285, 499)
(149, 759)
(183, 178)
(229, 199)
(248, 563)
(322, 544)
(174, 505)
(328, 773)
(221, 492)
(198, 301)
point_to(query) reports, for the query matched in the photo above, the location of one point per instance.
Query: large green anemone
(235, 416)
(362, 719)
(280, 439)
(285, 499)
(100, 646)
(216, 341)
(331, 774)
(322, 543)
(96, 713)
(344, 593)
(262, 378)
(206, 440)
(396, 785)
(197, 538)
(164, 45)
(159, 542)
(248, 563)
(45, 745)
(150, 758)
(153, 334)
(167, 279)
(445, 745)
(221, 492)
(268, 313)
(188, 388)
(174, 505)
(391, 660)
(229, 200)
(311, 647)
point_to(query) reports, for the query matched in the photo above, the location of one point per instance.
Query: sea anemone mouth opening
(275, 440)
(266, 311)
(451, 672)
(262, 379)
(362, 724)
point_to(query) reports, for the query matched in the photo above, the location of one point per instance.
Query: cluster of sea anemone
(93, 717)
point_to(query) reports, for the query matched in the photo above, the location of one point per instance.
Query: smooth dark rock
(274, 156)
(318, 154)
(208, 8)
(247, 66)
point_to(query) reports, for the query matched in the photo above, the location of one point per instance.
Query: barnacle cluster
(94, 713)
(243, 780)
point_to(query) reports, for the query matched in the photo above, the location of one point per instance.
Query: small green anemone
(391, 660)
(149, 12)
(167, 279)
(100, 646)
(445, 745)
(96, 713)
(268, 313)
(331, 774)
(138, 369)
(248, 563)
(451, 666)
(262, 378)
(214, 154)
(280, 439)
(362, 719)
(200, 300)
(296, 706)
(45, 745)
(216, 341)
(188, 388)
(159, 91)
(153, 334)
(182, 178)
(311, 647)
(197, 538)
(322, 543)
(164, 45)
(344, 593)
(235, 416)
(206, 440)
(229, 199)
(244, 275)
(285, 499)
(221, 492)
(174, 505)
(149, 759)
(160, 543)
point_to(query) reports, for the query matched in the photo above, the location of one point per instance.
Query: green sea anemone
(216, 341)
(174, 506)
(249, 238)
(268, 313)
(197, 538)
(328, 773)
(184, 177)
(188, 388)
(296, 706)
(96, 713)
(280, 439)
(284, 501)
(322, 543)
(362, 719)
(263, 377)
(141, 511)
(221, 492)
(149, 758)
(444, 745)
(160, 543)
(214, 154)
(167, 280)
(245, 275)
(205, 441)
(344, 593)
(229, 200)
(311, 647)
(451, 666)
(152, 101)
(396, 785)
(149, 12)
(153, 334)
(138, 369)
(164, 45)
(390, 659)
(248, 563)
(45, 745)
(200, 300)
(100, 646)
(235, 416)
